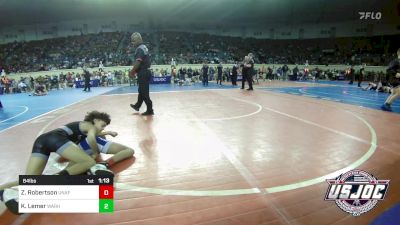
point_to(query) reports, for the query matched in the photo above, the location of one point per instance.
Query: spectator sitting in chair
(40, 89)
(22, 86)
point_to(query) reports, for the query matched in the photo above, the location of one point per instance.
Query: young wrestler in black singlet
(64, 141)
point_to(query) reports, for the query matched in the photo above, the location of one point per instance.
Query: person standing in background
(141, 67)
(393, 71)
(205, 74)
(234, 74)
(219, 77)
(248, 66)
(351, 72)
(86, 76)
(361, 75)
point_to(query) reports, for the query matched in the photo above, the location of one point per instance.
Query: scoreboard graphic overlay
(66, 194)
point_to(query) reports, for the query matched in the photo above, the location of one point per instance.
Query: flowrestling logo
(356, 191)
(370, 15)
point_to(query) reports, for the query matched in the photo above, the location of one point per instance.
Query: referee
(141, 67)
(393, 71)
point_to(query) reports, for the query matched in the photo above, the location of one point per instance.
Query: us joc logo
(356, 191)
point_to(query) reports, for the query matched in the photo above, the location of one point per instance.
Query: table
(81, 83)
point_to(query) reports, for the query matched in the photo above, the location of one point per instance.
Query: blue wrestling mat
(340, 92)
(18, 108)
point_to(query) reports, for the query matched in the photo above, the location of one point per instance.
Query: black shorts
(54, 141)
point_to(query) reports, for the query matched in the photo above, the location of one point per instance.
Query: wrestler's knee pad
(10, 198)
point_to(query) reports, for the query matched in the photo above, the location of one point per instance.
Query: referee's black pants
(87, 85)
(244, 78)
(234, 79)
(250, 80)
(144, 89)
